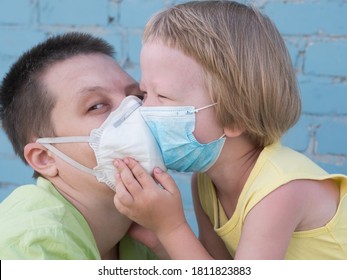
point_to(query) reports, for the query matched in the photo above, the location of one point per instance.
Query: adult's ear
(40, 159)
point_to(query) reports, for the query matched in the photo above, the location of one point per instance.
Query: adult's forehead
(78, 66)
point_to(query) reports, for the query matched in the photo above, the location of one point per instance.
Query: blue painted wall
(315, 32)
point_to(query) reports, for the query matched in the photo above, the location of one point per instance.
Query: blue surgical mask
(173, 129)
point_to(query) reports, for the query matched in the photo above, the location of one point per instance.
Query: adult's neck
(106, 223)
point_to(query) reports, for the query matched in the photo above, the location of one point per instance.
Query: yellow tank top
(278, 165)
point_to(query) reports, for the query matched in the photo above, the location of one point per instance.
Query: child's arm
(297, 206)
(269, 226)
(207, 236)
(149, 239)
(140, 198)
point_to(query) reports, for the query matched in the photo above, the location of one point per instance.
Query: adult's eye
(96, 107)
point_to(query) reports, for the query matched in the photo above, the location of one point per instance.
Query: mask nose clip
(126, 114)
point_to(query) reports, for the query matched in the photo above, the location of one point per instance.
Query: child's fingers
(122, 198)
(141, 175)
(165, 180)
(127, 177)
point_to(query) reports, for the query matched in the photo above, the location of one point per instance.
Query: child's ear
(233, 132)
(40, 159)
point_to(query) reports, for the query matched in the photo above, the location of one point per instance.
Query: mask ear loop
(46, 143)
(205, 107)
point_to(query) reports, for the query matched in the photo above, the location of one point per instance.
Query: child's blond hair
(248, 70)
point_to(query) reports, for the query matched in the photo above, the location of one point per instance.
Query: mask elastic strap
(205, 107)
(223, 136)
(46, 143)
(67, 139)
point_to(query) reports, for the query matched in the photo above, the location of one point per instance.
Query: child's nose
(150, 101)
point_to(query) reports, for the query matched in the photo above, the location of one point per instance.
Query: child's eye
(162, 97)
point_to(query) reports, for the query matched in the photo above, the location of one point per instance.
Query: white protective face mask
(123, 134)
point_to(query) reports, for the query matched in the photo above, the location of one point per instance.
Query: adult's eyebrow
(84, 93)
(133, 89)
(87, 90)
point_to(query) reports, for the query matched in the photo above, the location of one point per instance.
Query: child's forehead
(161, 59)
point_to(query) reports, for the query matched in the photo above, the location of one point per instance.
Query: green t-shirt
(37, 222)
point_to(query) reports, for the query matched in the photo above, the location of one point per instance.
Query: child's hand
(139, 197)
